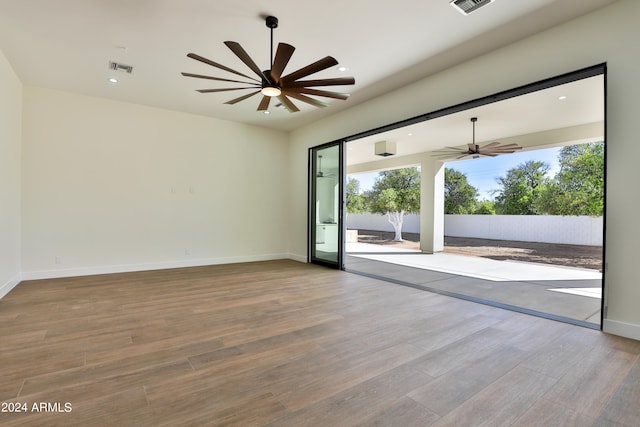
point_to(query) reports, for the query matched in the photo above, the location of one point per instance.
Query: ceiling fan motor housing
(271, 21)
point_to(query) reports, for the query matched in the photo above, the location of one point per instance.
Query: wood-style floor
(288, 344)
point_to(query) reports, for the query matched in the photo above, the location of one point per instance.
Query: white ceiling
(67, 45)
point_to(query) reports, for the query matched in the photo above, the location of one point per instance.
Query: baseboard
(127, 268)
(627, 330)
(12, 283)
(299, 258)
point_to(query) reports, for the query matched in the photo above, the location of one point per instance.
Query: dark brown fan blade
(319, 65)
(223, 90)
(200, 76)
(264, 104)
(244, 57)
(318, 92)
(509, 147)
(306, 99)
(489, 145)
(242, 98)
(321, 82)
(287, 103)
(283, 55)
(220, 66)
(501, 150)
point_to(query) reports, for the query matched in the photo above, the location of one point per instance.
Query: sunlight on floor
(585, 292)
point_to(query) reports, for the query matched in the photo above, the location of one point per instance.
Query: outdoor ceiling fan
(270, 83)
(473, 150)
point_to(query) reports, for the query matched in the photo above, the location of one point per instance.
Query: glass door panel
(326, 205)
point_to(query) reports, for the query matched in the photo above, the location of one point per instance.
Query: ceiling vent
(385, 148)
(115, 66)
(468, 6)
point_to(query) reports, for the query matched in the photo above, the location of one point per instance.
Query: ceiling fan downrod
(271, 22)
(473, 121)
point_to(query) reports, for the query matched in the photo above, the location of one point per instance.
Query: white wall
(10, 154)
(111, 186)
(607, 35)
(570, 230)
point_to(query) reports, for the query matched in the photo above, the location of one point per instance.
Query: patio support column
(431, 205)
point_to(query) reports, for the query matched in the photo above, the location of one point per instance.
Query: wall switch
(187, 252)
(58, 260)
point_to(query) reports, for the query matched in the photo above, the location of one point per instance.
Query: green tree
(395, 193)
(459, 195)
(521, 188)
(578, 188)
(485, 207)
(355, 200)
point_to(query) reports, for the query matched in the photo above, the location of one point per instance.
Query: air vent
(120, 67)
(468, 6)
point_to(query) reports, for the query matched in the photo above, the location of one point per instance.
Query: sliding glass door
(326, 205)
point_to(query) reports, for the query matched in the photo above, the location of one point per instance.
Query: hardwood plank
(589, 385)
(545, 413)
(563, 353)
(331, 381)
(452, 389)
(624, 406)
(364, 403)
(502, 402)
(405, 412)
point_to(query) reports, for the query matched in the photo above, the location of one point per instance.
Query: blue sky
(482, 172)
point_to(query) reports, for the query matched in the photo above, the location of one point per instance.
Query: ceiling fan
(473, 150)
(271, 83)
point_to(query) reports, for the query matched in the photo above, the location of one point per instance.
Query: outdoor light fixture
(385, 148)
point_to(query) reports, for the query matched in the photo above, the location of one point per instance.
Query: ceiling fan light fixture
(271, 91)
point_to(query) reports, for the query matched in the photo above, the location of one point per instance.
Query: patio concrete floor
(566, 292)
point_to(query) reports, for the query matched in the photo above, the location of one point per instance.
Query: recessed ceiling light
(113, 80)
(266, 112)
(342, 68)
(562, 98)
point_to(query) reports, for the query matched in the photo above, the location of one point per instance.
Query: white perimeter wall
(111, 186)
(609, 35)
(570, 230)
(10, 154)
